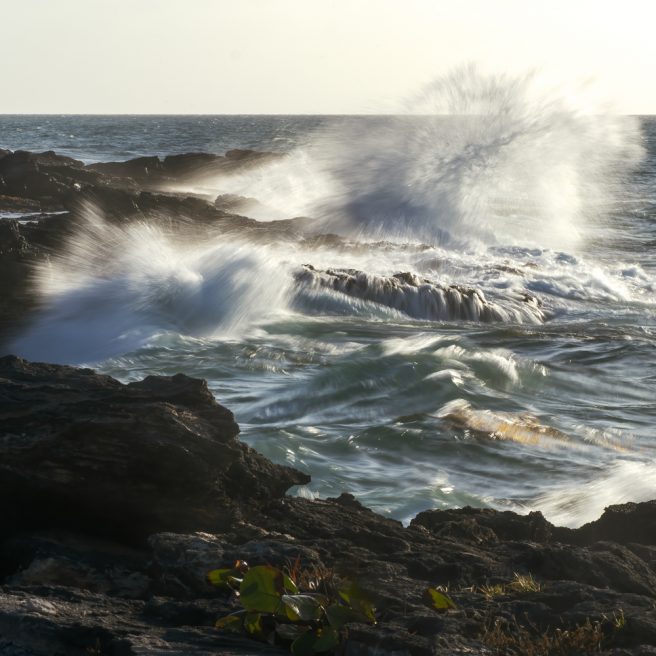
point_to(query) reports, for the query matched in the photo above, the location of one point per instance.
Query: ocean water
(511, 365)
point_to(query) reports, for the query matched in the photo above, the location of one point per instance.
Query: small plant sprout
(438, 600)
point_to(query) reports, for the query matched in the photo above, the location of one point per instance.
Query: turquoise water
(551, 408)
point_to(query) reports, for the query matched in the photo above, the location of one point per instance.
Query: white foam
(576, 504)
(116, 286)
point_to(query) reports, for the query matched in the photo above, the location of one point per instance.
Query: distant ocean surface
(110, 138)
(403, 393)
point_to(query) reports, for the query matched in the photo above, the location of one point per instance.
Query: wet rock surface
(117, 499)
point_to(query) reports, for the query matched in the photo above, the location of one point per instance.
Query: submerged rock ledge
(117, 499)
(420, 298)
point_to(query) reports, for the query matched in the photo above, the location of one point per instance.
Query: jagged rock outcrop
(82, 451)
(177, 168)
(52, 179)
(17, 295)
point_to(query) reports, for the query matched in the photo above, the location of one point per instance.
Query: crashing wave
(420, 298)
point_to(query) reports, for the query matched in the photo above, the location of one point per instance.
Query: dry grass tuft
(514, 640)
(521, 583)
(311, 579)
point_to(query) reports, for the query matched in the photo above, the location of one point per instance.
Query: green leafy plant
(276, 609)
(438, 600)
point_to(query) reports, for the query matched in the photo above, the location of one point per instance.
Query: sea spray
(114, 286)
(478, 160)
(288, 187)
(474, 160)
(573, 504)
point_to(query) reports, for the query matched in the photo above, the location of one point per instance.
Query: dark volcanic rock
(177, 168)
(626, 523)
(18, 204)
(483, 524)
(60, 621)
(187, 163)
(418, 297)
(140, 168)
(56, 558)
(54, 181)
(83, 451)
(17, 296)
(46, 177)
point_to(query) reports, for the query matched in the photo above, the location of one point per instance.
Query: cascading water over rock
(420, 298)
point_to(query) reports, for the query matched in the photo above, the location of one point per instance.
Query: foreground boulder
(83, 451)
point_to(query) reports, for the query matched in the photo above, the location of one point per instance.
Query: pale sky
(308, 56)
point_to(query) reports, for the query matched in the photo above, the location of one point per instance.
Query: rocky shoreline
(118, 499)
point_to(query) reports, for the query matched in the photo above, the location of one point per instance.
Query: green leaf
(359, 601)
(261, 589)
(289, 585)
(291, 631)
(232, 623)
(315, 642)
(339, 615)
(229, 579)
(327, 639)
(304, 645)
(303, 607)
(253, 624)
(438, 600)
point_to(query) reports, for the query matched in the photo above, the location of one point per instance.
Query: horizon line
(3, 114)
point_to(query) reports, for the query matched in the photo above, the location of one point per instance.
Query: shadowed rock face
(626, 523)
(15, 257)
(83, 451)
